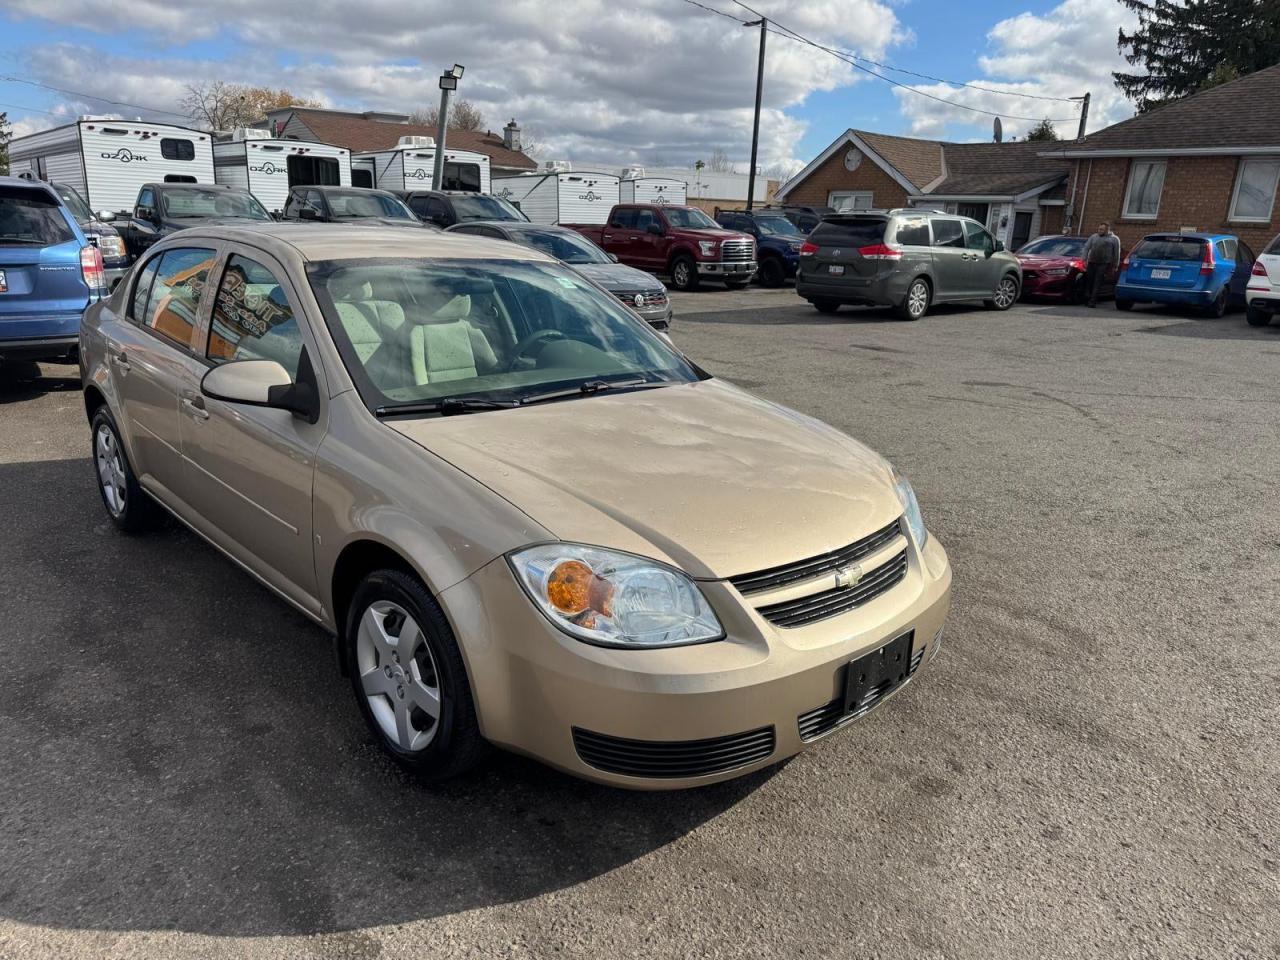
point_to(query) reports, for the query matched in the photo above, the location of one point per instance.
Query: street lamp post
(448, 83)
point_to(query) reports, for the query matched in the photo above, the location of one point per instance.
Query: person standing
(1101, 253)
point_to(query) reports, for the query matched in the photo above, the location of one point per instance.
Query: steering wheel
(533, 339)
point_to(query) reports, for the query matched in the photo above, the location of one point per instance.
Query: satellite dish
(997, 130)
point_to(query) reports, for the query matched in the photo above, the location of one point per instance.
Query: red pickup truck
(681, 242)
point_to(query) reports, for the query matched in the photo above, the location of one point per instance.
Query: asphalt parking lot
(1090, 769)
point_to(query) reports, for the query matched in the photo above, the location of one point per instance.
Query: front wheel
(915, 302)
(1006, 294)
(128, 505)
(684, 273)
(772, 272)
(1256, 317)
(409, 678)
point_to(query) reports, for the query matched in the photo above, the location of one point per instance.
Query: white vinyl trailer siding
(107, 161)
(413, 168)
(560, 197)
(653, 190)
(262, 166)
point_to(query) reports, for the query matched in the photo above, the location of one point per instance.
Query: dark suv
(347, 205)
(444, 208)
(905, 259)
(778, 242)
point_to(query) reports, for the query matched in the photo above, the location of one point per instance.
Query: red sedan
(1053, 268)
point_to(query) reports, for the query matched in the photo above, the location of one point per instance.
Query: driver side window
(252, 318)
(978, 239)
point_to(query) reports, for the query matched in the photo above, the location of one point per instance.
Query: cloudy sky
(654, 81)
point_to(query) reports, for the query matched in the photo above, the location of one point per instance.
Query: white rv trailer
(108, 160)
(560, 197)
(267, 167)
(410, 165)
(652, 190)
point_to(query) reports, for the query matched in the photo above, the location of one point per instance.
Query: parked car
(348, 205)
(49, 273)
(681, 242)
(1053, 268)
(1204, 270)
(805, 218)
(164, 208)
(1262, 295)
(98, 230)
(905, 259)
(444, 208)
(528, 519)
(778, 242)
(638, 290)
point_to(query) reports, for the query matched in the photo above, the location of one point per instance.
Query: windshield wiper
(447, 406)
(588, 387)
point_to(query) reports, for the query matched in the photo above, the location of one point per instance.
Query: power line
(18, 106)
(93, 97)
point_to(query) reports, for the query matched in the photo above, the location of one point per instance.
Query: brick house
(1010, 187)
(1208, 162)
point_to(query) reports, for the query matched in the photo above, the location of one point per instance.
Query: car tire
(1006, 294)
(826, 306)
(1218, 309)
(1256, 317)
(773, 273)
(684, 273)
(400, 680)
(915, 302)
(130, 507)
(1124, 304)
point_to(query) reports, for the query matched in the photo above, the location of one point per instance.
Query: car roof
(334, 241)
(192, 186)
(30, 185)
(327, 187)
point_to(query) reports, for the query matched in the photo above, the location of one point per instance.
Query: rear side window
(31, 218)
(176, 291)
(1227, 249)
(624, 218)
(914, 233)
(1274, 246)
(1169, 248)
(142, 290)
(854, 232)
(173, 149)
(948, 233)
(252, 319)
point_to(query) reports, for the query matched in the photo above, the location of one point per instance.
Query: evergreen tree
(1184, 47)
(1043, 130)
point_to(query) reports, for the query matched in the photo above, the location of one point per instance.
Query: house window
(1146, 180)
(1255, 191)
(845, 201)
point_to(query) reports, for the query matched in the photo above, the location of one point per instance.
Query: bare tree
(720, 162)
(463, 115)
(6, 134)
(781, 170)
(218, 105)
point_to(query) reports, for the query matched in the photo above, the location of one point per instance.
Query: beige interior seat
(373, 327)
(442, 348)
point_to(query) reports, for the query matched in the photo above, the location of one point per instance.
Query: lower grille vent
(827, 717)
(673, 758)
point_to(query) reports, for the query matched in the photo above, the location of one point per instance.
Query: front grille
(1029, 274)
(737, 250)
(838, 600)
(651, 298)
(789, 573)
(673, 758)
(830, 715)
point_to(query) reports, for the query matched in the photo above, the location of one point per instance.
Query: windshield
(482, 207)
(567, 245)
(352, 204)
(1055, 247)
(75, 203)
(777, 227)
(190, 202)
(413, 330)
(690, 217)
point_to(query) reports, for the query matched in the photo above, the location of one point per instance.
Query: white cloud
(651, 80)
(1065, 52)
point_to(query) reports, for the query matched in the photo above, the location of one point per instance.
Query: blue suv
(778, 241)
(49, 274)
(1205, 270)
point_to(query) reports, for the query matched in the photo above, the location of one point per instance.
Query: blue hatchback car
(49, 274)
(1205, 270)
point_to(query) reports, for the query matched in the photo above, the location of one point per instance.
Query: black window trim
(178, 140)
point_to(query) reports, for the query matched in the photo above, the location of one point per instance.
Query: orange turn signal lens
(573, 588)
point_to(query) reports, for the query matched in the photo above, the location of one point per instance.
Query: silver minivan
(905, 259)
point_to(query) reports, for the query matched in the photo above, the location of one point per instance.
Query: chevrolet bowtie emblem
(849, 576)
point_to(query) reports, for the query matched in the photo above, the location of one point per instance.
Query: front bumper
(1058, 287)
(535, 686)
(728, 268)
(115, 274)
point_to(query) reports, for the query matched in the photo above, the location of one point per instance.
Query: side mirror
(145, 214)
(264, 383)
(999, 247)
(106, 216)
(306, 213)
(656, 229)
(613, 257)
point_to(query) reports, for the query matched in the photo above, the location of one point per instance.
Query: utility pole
(448, 83)
(755, 129)
(1084, 114)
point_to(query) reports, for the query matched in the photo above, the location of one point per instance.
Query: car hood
(183, 223)
(618, 276)
(385, 222)
(703, 476)
(707, 233)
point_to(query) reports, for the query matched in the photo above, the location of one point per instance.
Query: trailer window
(362, 178)
(461, 176)
(312, 171)
(173, 149)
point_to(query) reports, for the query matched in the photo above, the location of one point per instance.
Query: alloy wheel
(398, 675)
(917, 299)
(1006, 293)
(680, 275)
(110, 470)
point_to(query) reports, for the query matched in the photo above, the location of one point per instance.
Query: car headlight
(708, 247)
(911, 508)
(614, 599)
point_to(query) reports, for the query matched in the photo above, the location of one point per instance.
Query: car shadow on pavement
(180, 753)
(25, 380)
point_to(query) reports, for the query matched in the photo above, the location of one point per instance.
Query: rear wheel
(1218, 308)
(1006, 294)
(915, 302)
(825, 306)
(1124, 304)
(1256, 317)
(684, 273)
(130, 508)
(772, 272)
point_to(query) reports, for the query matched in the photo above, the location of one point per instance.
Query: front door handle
(606, 236)
(121, 360)
(193, 403)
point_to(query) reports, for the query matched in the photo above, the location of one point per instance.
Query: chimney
(511, 136)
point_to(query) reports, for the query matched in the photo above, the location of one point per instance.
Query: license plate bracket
(836, 270)
(889, 664)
